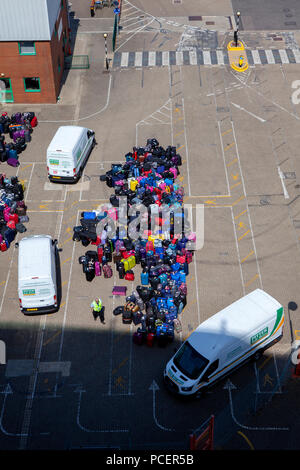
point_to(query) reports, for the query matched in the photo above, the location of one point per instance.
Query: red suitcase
(150, 339)
(100, 253)
(3, 246)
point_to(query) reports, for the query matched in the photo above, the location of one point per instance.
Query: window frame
(31, 91)
(8, 90)
(26, 53)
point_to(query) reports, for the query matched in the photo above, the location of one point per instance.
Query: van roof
(34, 257)
(234, 322)
(66, 138)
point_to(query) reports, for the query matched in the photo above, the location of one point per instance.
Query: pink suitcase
(97, 268)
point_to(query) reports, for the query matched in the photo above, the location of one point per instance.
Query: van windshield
(189, 361)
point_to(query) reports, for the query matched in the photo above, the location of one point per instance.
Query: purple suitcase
(18, 118)
(137, 338)
(13, 162)
(16, 135)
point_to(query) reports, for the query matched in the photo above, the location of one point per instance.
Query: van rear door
(60, 164)
(36, 295)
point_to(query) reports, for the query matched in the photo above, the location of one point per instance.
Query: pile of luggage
(148, 179)
(19, 127)
(12, 210)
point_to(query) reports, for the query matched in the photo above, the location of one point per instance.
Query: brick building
(34, 39)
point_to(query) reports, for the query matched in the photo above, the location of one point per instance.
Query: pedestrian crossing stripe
(203, 57)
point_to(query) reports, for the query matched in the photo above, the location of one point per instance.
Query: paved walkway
(203, 57)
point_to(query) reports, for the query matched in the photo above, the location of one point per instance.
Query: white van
(239, 332)
(68, 153)
(37, 274)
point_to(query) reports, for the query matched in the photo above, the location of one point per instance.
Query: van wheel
(256, 356)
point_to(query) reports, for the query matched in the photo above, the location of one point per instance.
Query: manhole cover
(222, 109)
(290, 175)
(264, 201)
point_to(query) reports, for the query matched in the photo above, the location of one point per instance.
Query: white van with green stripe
(239, 332)
(68, 152)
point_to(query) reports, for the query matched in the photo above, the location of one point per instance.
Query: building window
(32, 84)
(27, 48)
(61, 3)
(6, 94)
(58, 64)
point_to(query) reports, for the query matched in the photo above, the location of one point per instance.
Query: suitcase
(121, 270)
(117, 257)
(138, 338)
(126, 317)
(118, 311)
(20, 228)
(125, 263)
(100, 253)
(137, 318)
(97, 268)
(89, 215)
(34, 122)
(107, 271)
(129, 276)
(162, 339)
(3, 246)
(144, 279)
(89, 275)
(177, 325)
(150, 339)
(21, 211)
(13, 162)
(131, 261)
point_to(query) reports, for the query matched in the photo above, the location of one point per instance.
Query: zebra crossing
(203, 57)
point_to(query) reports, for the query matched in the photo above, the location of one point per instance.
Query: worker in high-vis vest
(98, 309)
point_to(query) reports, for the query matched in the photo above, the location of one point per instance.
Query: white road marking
(283, 56)
(248, 112)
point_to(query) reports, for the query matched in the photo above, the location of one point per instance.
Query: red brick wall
(43, 65)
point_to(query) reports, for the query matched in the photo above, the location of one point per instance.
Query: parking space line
(238, 200)
(248, 256)
(232, 162)
(228, 146)
(244, 234)
(226, 132)
(240, 214)
(235, 185)
(251, 280)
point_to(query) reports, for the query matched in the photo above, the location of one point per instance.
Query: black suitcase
(118, 311)
(89, 275)
(137, 318)
(20, 228)
(109, 181)
(126, 317)
(121, 270)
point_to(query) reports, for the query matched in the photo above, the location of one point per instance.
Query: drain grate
(195, 18)
(290, 175)
(222, 109)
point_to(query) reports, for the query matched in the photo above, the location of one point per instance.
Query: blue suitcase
(144, 279)
(89, 215)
